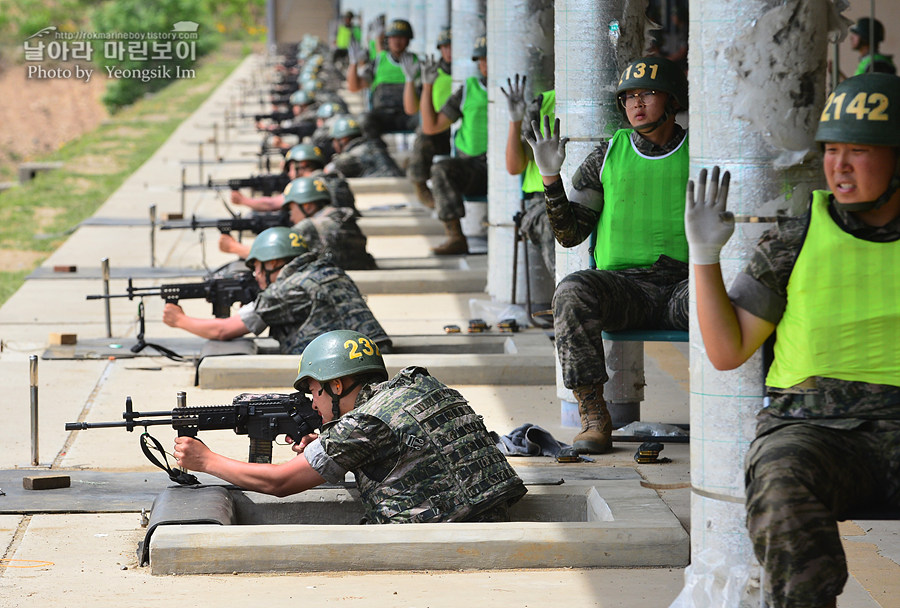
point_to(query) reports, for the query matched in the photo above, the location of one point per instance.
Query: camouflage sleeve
(761, 288)
(452, 107)
(282, 303)
(357, 441)
(572, 220)
(348, 164)
(341, 194)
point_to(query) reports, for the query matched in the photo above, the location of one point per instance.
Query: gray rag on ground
(529, 440)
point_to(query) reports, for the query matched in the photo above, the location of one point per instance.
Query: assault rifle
(267, 183)
(221, 292)
(255, 222)
(273, 116)
(262, 417)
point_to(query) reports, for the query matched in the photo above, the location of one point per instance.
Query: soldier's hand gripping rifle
(255, 222)
(262, 417)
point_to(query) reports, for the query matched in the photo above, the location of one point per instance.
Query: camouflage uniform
(454, 178)
(822, 449)
(426, 147)
(590, 301)
(310, 297)
(339, 189)
(365, 157)
(333, 232)
(419, 454)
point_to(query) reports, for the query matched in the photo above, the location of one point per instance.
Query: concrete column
(755, 99)
(417, 15)
(594, 40)
(438, 18)
(467, 22)
(520, 40)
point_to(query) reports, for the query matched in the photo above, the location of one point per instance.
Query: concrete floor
(89, 559)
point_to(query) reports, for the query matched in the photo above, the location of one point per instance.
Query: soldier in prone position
(302, 297)
(418, 451)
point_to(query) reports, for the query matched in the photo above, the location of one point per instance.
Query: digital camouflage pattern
(311, 297)
(424, 149)
(339, 189)
(333, 232)
(536, 228)
(454, 178)
(432, 458)
(822, 449)
(364, 157)
(590, 301)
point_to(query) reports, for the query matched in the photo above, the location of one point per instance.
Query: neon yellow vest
(531, 178)
(443, 87)
(345, 35)
(387, 71)
(842, 318)
(471, 139)
(643, 205)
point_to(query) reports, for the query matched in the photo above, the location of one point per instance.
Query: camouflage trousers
(802, 478)
(589, 302)
(536, 227)
(454, 178)
(425, 148)
(374, 123)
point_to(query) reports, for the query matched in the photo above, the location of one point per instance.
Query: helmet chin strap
(643, 129)
(878, 202)
(336, 399)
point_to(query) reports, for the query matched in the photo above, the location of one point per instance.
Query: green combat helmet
(444, 37)
(305, 152)
(306, 190)
(865, 109)
(336, 354)
(659, 74)
(276, 243)
(312, 85)
(480, 48)
(329, 109)
(302, 98)
(400, 28)
(344, 126)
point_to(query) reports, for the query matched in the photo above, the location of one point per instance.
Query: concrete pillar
(417, 15)
(520, 40)
(755, 99)
(594, 40)
(467, 22)
(438, 18)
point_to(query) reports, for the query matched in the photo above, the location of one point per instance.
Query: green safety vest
(471, 138)
(643, 205)
(531, 178)
(842, 318)
(441, 90)
(387, 71)
(345, 35)
(868, 59)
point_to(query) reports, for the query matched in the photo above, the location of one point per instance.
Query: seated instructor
(828, 437)
(301, 297)
(418, 451)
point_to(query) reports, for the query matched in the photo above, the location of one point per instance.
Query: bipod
(142, 344)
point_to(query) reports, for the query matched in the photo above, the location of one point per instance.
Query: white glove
(429, 70)
(549, 150)
(355, 52)
(515, 98)
(409, 65)
(707, 224)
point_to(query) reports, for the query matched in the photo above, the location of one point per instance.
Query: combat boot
(596, 425)
(424, 194)
(456, 243)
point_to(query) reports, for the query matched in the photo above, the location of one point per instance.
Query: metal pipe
(153, 235)
(104, 271)
(33, 376)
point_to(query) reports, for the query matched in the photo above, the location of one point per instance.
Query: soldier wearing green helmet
(827, 284)
(357, 155)
(302, 296)
(326, 229)
(628, 194)
(417, 449)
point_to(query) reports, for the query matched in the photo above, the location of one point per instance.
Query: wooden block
(56, 339)
(46, 482)
(65, 269)
(174, 216)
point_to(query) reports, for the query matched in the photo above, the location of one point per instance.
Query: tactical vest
(449, 468)
(387, 83)
(643, 205)
(441, 90)
(842, 318)
(531, 178)
(336, 304)
(333, 232)
(471, 138)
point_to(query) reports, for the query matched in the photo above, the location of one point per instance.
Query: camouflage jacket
(419, 453)
(366, 158)
(572, 222)
(339, 189)
(761, 289)
(334, 233)
(310, 297)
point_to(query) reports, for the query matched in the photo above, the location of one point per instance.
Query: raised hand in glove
(429, 69)
(409, 65)
(549, 150)
(707, 224)
(355, 52)
(515, 98)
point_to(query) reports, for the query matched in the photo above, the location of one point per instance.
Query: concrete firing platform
(590, 524)
(455, 359)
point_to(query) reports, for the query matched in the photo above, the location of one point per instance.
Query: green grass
(98, 162)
